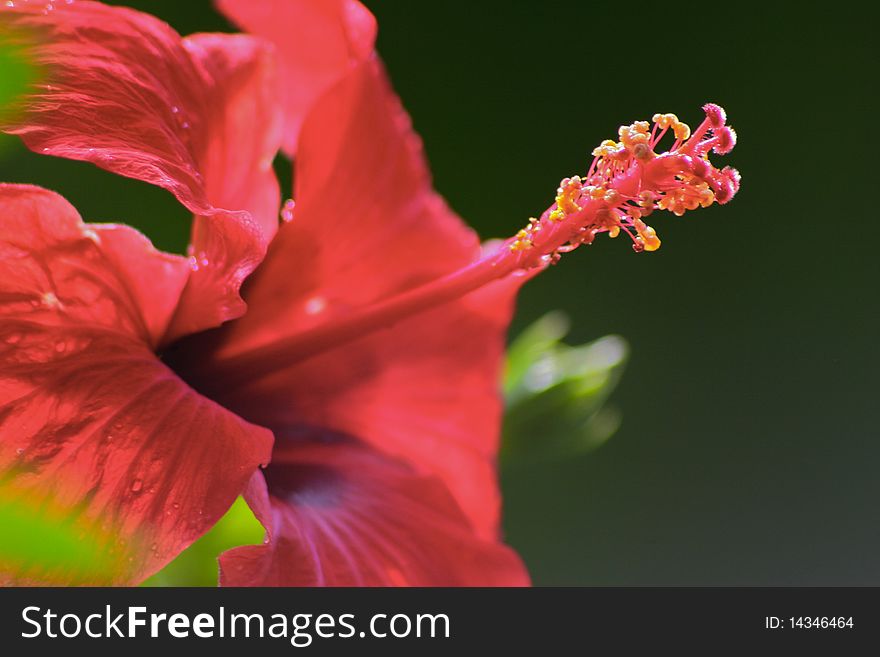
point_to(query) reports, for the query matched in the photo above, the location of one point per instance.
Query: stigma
(628, 180)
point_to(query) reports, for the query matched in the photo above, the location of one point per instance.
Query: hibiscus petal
(317, 41)
(196, 116)
(343, 515)
(90, 420)
(367, 225)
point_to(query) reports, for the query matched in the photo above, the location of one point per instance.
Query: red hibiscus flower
(352, 349)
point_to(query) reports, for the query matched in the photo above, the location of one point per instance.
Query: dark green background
(748, 451)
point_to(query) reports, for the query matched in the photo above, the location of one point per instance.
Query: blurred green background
(748, 445)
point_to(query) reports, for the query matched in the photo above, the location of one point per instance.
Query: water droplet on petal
(136, 485)
(19, 451)
(315, 305)
(49, 300)
(176, 505)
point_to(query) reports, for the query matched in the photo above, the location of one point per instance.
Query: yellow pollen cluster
(680, 130)
(695, 195)
(636, 133)
(635, 140)
(647, 236)
(523, 241)
(566, 198)
(607, 148)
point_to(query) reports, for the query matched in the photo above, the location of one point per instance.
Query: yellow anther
(566, 197)
(522, 241)
(597, 192)
(681, 130)
(614, 231)
(648, 235)
(612, 197)
(606, 148)
(556, 215)
(665, 120)
(707, 197)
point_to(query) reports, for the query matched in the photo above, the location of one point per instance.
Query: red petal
(90, 419)
(342, 515)
(367, 225)
(196, 116)
(317, 42)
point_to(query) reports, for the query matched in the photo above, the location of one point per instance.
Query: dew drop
(9, 3)
(49, 300)
(19, 451)
(12, 338)
(60, 347)
(175, 109)
(176, 505)
(136, 485)
(315, 305)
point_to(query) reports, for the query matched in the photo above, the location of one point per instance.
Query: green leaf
(197, 565)
(17, 75)
(43, 540)
(556, 394)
